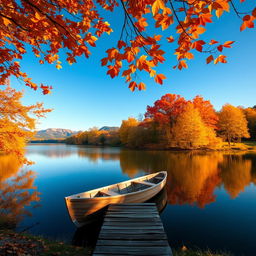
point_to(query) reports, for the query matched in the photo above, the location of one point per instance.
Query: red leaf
(213, 42)
(121, 44)
(209, 59)
(220, 48)
(141, 86)
(132, 86)
(170, 39)
(254, 13)
(159, 78)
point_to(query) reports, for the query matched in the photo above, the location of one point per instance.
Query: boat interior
(125, 187)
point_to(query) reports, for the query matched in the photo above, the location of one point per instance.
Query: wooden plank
(132, 215)
(118, 236)
(132, 243)
(132, 229)
(150, 184)
(133, 204)
(146, 250)
(132, 226)
(109, 193)
(132, 209)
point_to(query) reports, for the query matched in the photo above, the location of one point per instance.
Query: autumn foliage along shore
(174, 122)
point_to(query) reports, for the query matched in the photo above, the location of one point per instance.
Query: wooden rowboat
(83, 206)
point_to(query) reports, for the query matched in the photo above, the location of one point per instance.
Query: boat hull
(82, 210)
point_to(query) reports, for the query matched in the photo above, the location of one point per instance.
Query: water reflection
(192, 176)
(236, 174)
(16, 191)
(210, 195)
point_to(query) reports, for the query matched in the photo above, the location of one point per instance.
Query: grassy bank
(16, 244)
(12, 243)
(246, 145)
(198, 252)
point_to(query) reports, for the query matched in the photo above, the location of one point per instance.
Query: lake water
(211, 197)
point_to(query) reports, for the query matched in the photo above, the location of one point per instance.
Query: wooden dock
(132, 229)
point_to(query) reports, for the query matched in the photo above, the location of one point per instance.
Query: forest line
(174, 122)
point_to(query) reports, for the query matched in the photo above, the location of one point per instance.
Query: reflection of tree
(252, 157)
(95, 154)
(192, 177)
(236, 174)
(51, 151)
(14, 190)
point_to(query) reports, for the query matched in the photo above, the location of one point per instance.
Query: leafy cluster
(175, 122)
(95, 137)
(48, 26)
(17, 122)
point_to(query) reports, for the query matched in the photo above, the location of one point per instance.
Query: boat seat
(109, 193)
(158, 178)
(144, 183)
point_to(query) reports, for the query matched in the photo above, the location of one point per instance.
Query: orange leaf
(220, 58)
(228, 44)
(6, 21)
(132, 86)
(248, 22)
(219, 12)
(159, 78)
(182, 64)
(170, 39)
(198, 45)
(141, 86)
(213, 42)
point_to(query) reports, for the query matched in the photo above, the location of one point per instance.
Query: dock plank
(132, 229)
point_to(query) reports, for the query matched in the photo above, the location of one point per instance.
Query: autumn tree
(189, 130)
(232, 123)
(206, 110)
(125, 129)
(94, 136)
(48, 26)
(17, 122)
(250, 114)
(164, 113)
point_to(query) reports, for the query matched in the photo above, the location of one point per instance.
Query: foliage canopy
(48, 26)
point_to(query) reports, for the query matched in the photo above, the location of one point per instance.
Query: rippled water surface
(211, 197)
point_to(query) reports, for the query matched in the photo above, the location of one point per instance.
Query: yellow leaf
(6, 21)
(37, 15)
(158, 4)
(219, 12)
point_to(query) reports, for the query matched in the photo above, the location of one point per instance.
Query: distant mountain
(54, 133)
(109, 128)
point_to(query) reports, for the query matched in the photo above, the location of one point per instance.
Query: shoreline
(249, 146)
(14, 243)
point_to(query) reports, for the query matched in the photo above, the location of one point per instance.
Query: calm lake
(211, 196)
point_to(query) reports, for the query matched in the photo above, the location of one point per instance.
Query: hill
(109, 128)
(54, 133)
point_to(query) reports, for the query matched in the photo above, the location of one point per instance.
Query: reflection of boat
(82, 206)
(160, 200)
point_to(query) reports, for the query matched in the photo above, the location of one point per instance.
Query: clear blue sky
(84, 96)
